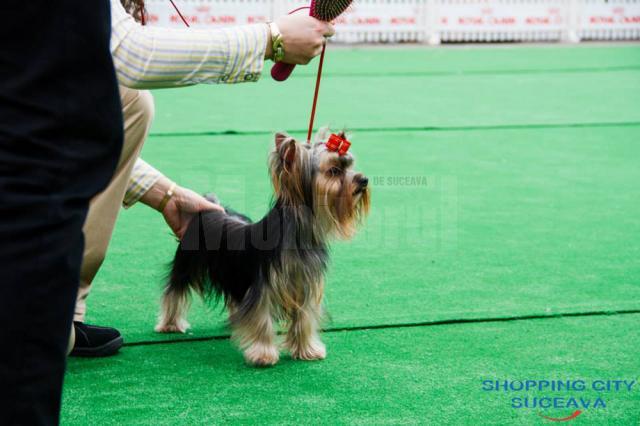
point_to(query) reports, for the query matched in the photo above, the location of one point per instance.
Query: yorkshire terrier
(273, 270)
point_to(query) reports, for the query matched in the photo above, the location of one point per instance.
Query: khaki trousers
(137, 110)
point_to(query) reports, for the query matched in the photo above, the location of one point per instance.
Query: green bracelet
(277, 43)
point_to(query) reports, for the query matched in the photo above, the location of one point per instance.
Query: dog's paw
(180, 326)
(261, 355)
(313, 351)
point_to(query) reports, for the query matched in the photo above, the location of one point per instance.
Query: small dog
(272, 270)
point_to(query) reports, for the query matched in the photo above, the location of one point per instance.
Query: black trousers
(60, 138)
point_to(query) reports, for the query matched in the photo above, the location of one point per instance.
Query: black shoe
(94, 341)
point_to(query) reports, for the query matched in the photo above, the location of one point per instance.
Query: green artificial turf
(425, 375)
(495, 223)
(505, 184)
(573, 90)
(473, 59)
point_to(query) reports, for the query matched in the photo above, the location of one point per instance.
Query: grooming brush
(324, 10)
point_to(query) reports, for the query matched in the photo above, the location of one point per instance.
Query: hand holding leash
(300, 37)
(324, 10)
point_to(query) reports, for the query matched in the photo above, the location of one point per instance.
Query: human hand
(303, 37)
(182, 207)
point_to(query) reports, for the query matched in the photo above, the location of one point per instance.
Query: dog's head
(311, 176)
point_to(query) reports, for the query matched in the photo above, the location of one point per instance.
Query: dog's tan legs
(255, 334)
(173, 313)
(303, 339)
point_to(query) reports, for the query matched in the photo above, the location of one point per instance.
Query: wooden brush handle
(281, 71)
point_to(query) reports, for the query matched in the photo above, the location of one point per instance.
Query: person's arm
(151, 57)
(148, 57)
(178, 205)
(143, 177)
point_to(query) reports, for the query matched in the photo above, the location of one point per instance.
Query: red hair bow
(338, 144)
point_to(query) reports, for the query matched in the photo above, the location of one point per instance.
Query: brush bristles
(328, 10)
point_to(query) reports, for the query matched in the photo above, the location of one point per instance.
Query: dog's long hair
(272, 269)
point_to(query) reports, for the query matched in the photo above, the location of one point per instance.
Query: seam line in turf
(412, 129)
(413, 325)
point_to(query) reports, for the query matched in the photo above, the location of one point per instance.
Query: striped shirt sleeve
(147, 57)
(142, 178)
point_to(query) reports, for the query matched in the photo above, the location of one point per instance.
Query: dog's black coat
(226, 254)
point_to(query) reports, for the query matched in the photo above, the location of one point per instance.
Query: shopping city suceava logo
(549, 397)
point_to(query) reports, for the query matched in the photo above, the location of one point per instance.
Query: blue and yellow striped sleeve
(153, 57)
(142, 178)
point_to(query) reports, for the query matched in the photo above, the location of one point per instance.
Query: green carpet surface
(492, 223)
(586, 91)
(504, 184)
(507, 59)
(425, 375)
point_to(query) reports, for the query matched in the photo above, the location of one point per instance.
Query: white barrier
(501, 20)
(431, 21)
(610, 20)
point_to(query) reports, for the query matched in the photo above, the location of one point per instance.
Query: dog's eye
(334, 171)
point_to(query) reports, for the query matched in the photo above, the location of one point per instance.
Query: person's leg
(60, 138)
(138, 110)
(38, 269)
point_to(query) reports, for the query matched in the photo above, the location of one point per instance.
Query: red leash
(180, 14)
(319, 76)
(315, 95)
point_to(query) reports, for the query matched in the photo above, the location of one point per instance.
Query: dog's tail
(188, 272)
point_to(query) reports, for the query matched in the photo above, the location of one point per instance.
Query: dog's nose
(363, 181)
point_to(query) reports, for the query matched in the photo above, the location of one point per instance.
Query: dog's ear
(286, 147)
(288, 152)
(281, 137)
